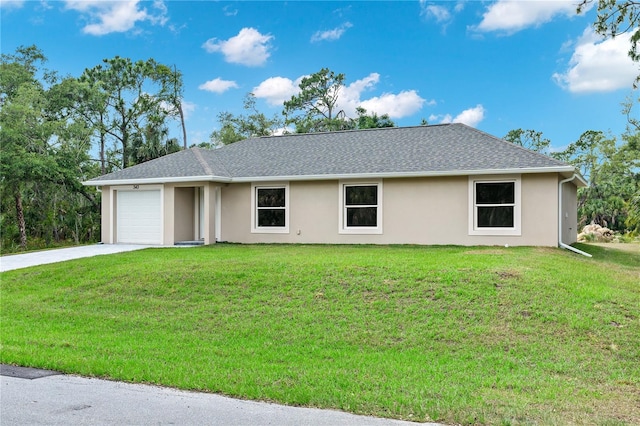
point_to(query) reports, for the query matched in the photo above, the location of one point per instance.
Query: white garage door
(139, 219)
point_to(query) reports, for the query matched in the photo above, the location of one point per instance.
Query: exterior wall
(178, 211)
(569, 213)
(415, 211)
(184, 214)
(105, 216)
(539, 210)
(210, 212)
(236, 213)
(168, 213)
(428, 211)
(109, 207)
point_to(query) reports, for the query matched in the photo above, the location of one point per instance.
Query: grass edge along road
(472, 335)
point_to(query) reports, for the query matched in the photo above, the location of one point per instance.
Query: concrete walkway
(18, 261)
(72, 400)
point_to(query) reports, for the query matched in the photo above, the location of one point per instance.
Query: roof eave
(146, 181)
(559, 169)
(582, 182)
(565, 170)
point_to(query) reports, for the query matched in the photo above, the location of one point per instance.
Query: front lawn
(449, 334)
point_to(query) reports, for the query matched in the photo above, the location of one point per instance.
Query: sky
(493, 65)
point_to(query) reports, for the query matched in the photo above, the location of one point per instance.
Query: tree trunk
(22, 227)
(103, 136)
(184, 129)
(103, 168)
(56, 235)
(125, 150)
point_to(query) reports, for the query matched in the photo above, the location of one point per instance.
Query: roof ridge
(352, 131)
(520, 147)
(203, 163)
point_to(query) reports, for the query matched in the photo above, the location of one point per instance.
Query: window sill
(270, 231)
(496, 232)
(361, 231)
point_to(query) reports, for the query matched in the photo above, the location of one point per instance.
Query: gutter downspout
(560, 243)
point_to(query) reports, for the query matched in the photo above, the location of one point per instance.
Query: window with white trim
(361, 208)
(270, 208)
(495, 206)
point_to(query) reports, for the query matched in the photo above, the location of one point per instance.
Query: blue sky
(494, 65)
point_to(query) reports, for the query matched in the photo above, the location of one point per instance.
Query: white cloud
(218, 85)
(440, 13)
(228, 10)
(188, 108)
(331, 35)
(401, 105)
(398, 105)
(276, 90)
(11, 4)
(512, 16)
(349, 96)
(283, 130)
(118, 16)
(599, 65)
(471, 117)
(248, 48)
(161, 18)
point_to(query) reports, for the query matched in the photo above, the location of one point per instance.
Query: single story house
(438, 184)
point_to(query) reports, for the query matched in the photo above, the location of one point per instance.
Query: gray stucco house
(439, 184)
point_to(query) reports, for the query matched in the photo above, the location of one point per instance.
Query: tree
(22, 128)
(44, 151)
(133, 95)
(314, 109)
(630, 151)
(371, 121)
(152, 143)
(612, 181)
(529, 139)
(615, 17)
(237, 128)
(84, 102)
(175, 99)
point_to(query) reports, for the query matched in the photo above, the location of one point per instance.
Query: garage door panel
(139, 218)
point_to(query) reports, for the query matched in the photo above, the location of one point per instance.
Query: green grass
(36, 244)
(449, 334)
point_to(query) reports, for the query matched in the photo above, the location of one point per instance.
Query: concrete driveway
(48, 398)
(18, 261)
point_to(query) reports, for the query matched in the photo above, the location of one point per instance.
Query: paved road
(71, 400)
(17, 261)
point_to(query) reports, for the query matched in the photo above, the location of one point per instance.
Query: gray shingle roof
(397, 150)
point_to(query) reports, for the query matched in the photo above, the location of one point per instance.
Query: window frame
(516, 229)
(342, 214)
(255, 228)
